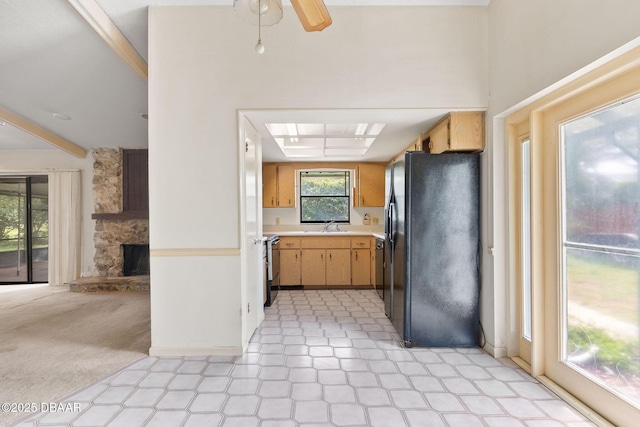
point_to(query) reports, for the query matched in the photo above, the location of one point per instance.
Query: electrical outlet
(277, 221)
(375, 220)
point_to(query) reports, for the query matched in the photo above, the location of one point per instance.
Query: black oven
(273, 269)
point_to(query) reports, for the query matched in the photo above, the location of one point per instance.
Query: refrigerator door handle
(390, 219)
(386, 221)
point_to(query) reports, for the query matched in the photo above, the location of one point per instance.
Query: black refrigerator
(432, 249)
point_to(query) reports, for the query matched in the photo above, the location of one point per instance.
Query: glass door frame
(608, 403)
(28, 182)
(520, 230)
(591, 89)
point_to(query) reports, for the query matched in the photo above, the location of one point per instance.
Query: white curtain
(65, 220)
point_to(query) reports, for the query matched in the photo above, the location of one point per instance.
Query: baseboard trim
(497, 352)
(195, 351)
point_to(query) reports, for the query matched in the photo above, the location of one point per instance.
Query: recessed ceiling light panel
(324, 139)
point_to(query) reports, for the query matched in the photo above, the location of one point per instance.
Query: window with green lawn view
(324, 196)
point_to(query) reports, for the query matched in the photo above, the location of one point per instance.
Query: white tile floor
(321, 358)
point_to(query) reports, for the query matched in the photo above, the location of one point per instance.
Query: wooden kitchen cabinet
(289, 243)
(290, 267)
(361, 267)
(314, 267)
(361, 260)
(338, 266)
(278, 186)
(269, 186)
(458, 131)
(290, 261)
(320, 259)
(286, 186)
(417, 145)
(369, 185)
(331, 260)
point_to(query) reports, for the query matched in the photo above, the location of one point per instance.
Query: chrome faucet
(328, 224)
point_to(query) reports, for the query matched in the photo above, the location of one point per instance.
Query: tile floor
(320, 358)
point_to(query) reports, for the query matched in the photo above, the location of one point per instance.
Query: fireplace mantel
(121, 216)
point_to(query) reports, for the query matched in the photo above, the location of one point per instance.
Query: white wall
(44, 160)
(533, 44)
(203, 69)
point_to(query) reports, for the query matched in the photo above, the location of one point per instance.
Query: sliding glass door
(591, 252)
(600, 252)
(24, 229)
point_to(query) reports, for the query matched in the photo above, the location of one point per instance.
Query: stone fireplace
(136, 260)
(120, 181)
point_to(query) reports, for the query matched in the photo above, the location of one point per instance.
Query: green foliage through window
(324, 196)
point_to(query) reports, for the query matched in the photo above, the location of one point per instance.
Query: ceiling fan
(313, 14)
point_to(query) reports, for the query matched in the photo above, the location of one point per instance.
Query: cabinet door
(370, 185)
(360, 267)
(313, 267)
(439, 137)
(466, 131)
(286, 186)
(338, 266)
(269, 186)
(290, 267)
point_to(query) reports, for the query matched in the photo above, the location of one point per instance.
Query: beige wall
(203, 68)
(533, 45)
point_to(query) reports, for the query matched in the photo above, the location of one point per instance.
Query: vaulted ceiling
(62, 86)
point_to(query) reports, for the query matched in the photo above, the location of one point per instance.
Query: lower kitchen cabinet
(361, 266)
(290, 267)
(338, 266)
(320, 261)
(313, 267)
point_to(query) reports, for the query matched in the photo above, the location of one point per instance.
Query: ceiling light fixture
(61, 116)
(259, 12)
(337, 140)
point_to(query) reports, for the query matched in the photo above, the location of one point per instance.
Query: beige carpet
(53, 342)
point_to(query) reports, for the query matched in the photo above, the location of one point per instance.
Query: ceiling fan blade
(313, 14)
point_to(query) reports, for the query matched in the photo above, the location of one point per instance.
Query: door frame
(28, 237)
(602, 84)
(252, 308)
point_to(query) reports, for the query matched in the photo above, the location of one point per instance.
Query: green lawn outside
(607, 287)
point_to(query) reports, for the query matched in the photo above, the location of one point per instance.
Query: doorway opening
(24, 229)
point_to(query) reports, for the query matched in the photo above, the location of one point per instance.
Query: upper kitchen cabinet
(369, 190)
(278, 186)
(458, 131)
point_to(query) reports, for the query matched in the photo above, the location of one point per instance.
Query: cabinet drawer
(289, 243)
(325, 242)
(361, 242)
